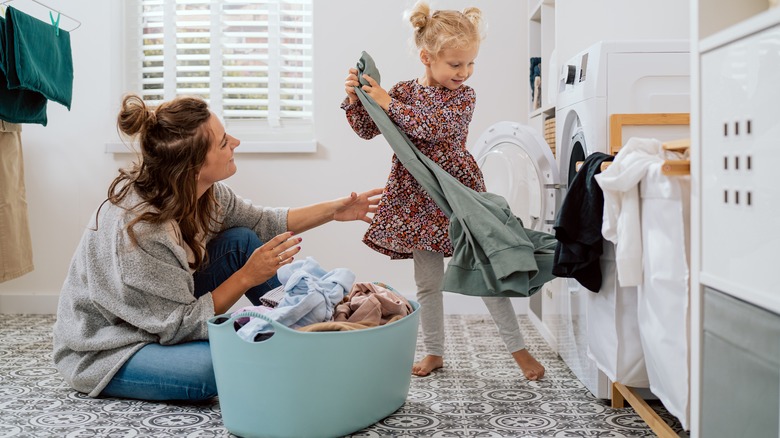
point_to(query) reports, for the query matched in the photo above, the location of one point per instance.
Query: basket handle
(249, 313)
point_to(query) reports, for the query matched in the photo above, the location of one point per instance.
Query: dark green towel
(19, 105)
(38, 57)
(493, 254)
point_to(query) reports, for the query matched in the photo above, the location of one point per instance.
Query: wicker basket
(549, 133)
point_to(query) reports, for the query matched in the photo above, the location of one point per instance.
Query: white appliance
(610, 77)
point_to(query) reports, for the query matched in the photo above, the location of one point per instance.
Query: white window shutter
(250, 59)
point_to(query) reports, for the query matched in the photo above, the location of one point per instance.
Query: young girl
(434, 111)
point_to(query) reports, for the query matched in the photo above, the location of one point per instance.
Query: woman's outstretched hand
(358, 206)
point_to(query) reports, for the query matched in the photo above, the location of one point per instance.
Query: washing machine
(607, 78)
(519, 165)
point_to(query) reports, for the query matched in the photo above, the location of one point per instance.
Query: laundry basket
(311, 384)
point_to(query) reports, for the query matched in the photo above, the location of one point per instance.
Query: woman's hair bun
(134, 115)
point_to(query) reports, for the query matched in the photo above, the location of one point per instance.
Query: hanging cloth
(15, 243)
(664, 311)
(578, 226)
(493, 254)
(18, 105)
(38, 57)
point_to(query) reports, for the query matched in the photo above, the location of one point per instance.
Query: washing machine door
(518, 164)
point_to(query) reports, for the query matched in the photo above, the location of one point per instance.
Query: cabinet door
(740, 201)
(740, 369)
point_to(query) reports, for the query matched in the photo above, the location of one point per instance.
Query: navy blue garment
(536, 70)
(578, 226)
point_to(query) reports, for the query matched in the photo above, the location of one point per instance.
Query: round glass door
(518, 164)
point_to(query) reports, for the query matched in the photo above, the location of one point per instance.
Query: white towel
(621, 223)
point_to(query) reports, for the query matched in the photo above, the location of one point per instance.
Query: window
(250, 59)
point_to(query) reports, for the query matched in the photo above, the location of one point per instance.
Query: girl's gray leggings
(428, 275)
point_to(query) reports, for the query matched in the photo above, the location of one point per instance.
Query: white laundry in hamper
(613, 331)
(663, 294)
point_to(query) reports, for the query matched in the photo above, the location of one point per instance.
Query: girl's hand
(266, 260)
(377, 93)
(350, 83)
(357, 207)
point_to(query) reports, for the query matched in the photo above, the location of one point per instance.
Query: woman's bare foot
(427, 364)
(532, 369)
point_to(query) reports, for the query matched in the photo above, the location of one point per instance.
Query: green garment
(38, 57)
(493, 254)
(18, 105)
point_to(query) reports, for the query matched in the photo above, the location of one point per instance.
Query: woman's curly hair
(174, 139)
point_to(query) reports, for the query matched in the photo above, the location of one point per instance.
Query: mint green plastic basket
(311, 384)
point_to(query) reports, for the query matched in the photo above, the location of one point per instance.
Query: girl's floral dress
(436, 119)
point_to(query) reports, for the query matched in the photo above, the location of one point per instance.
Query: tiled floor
(480, 393)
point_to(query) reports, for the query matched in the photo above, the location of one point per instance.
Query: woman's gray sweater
(118, 297)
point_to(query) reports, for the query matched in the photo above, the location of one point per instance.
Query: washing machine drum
(518, 164)
(577, 154)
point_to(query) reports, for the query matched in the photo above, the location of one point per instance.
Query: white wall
(67, 171)
(579, 23)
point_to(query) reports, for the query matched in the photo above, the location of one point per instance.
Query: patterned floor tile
(480, 393)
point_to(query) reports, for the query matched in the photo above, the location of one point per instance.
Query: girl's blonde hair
(445, 29)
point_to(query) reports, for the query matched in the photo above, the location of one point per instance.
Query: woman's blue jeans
(184, 371)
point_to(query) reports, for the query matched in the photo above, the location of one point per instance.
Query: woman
(170, 247)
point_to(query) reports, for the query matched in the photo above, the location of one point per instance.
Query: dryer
(607, 78)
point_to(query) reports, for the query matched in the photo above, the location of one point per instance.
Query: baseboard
(28, 304)
(543, 330)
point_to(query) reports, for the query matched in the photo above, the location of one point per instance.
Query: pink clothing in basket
(371, 305)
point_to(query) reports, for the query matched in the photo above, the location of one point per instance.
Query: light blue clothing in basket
(311, 294)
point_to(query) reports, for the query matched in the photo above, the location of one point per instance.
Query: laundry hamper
(311, 384)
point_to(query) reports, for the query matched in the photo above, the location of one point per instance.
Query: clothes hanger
(55, 23)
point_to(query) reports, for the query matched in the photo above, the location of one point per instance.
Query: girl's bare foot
(427, 364)
(532, 369)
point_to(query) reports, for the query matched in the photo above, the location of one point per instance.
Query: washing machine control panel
(568, 74)
(583, 67)
(574, 71)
